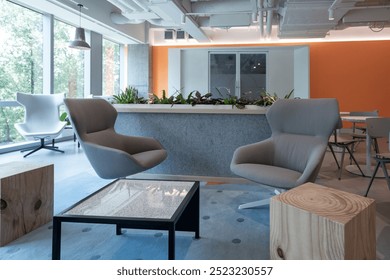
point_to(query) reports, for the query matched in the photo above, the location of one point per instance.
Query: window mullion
(48, 54)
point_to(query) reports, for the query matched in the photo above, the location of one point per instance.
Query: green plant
(195, 97)
(267, 99)
(198, 98)
(233, 100)
(64, 118)
(288, 95)
(129, 96)
(180, 99)
(161, 100)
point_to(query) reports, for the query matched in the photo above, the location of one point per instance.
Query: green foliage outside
(21, 60)
(21, 63)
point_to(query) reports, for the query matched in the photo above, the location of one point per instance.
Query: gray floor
(73, 162)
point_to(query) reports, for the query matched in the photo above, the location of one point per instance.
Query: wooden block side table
(26, 197)
(316, 222)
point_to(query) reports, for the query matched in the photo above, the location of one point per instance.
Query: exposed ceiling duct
(314, 19)
(292, 18)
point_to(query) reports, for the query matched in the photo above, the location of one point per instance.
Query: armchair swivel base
(41, 146)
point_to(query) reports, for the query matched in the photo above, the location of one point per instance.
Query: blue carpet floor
(226, 232)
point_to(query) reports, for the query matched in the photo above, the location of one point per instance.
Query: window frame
(237, 54)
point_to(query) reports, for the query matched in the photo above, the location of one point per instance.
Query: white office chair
(41, 119)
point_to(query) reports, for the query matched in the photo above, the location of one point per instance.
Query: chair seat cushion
(268, 175)
(34, 132)
(341, 140)
(383, 156)
(151, 158)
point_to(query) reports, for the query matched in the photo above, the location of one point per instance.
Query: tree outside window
(68, 63)
(111, 68)
(21, 60)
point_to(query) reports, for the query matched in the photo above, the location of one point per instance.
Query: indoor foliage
(130, 96)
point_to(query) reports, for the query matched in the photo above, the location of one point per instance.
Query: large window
(68, 62)
(25, 41)
(111, 68)
(21, 60)
(241, 74)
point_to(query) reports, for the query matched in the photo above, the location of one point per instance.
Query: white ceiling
(221, 21)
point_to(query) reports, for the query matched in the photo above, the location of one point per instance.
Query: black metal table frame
(185, 218)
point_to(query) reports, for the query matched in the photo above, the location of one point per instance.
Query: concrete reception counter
(200, 140)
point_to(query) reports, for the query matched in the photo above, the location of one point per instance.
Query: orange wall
(159, 69)
(356, 73)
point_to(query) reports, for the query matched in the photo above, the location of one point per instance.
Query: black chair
(359, 130)
(344, 143)
(379, 128)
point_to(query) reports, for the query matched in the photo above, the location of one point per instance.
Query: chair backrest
(314, 117)
(300, 126)
(378, 127)
(90, 115)
(41, 110)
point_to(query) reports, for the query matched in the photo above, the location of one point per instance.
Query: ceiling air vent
(168, 34)
(180, 34)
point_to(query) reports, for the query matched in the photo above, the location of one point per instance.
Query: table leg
(118, 230)
(171, 243)
(56, 242)
(368, 154)
(197, 214)
(368, 168)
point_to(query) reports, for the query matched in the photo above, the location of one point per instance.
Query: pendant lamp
(79, 38)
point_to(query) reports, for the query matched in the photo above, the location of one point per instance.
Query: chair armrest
(139, 144)
(257, 153)
(313, 165)
(102, 158)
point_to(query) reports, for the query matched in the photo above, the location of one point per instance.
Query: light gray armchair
(112, 155)
(294, 153)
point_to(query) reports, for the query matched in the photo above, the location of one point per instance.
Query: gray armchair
(112, 155)
(294, 153)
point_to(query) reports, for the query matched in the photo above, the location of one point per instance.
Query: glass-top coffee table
(138, 204)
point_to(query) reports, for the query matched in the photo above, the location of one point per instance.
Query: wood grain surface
(26, 195)
(317, 222)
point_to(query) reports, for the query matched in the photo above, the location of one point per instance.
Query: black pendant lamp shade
(79, 38)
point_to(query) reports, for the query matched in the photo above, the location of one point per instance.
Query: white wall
(302, 72)
(280, 71)
(195, 70)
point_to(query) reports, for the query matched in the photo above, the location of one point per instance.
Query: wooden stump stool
(317, 222)
(26, 198)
